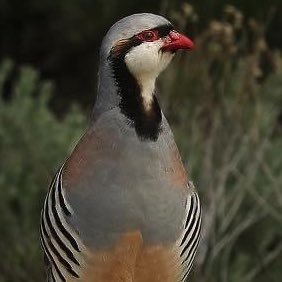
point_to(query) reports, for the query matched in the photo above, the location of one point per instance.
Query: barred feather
(190, 238)
(60, 243)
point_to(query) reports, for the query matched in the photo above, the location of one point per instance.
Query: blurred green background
(224, 102)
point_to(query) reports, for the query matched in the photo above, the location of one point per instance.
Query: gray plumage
(116, 182)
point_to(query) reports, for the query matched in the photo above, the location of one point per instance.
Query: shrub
(225, 115)
(33, 143)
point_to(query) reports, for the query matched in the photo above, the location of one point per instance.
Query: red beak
(175, 41)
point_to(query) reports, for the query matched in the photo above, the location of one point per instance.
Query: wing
(61, 244)
(190, 237)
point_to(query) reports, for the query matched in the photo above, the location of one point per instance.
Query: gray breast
(126, 189)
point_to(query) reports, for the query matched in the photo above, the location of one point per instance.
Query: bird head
(145, 42)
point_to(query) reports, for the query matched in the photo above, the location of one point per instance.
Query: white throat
(147, 89)
(146, 62)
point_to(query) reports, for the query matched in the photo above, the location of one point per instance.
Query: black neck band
(147, 123)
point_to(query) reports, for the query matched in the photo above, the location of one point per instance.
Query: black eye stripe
(164, 30)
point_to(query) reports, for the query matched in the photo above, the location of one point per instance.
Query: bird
(122, 207)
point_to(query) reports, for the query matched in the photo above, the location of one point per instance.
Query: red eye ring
(148, 35)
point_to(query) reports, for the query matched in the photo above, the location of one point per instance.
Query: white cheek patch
(147, 59)
(145, 62)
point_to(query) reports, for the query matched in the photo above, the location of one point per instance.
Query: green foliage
(33, 143)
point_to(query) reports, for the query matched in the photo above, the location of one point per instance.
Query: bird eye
(148, 36)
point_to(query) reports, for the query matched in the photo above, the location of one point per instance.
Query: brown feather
(119, 47)
(132, 261)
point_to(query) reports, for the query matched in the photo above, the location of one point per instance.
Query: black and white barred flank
(191, 236)
(61, 245)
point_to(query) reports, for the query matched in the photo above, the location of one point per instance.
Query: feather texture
(60, 242)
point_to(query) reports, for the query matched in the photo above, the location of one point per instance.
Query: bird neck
(135, 97)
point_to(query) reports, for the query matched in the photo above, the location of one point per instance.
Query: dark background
(62, 38)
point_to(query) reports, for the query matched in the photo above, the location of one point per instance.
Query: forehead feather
(129, 26)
